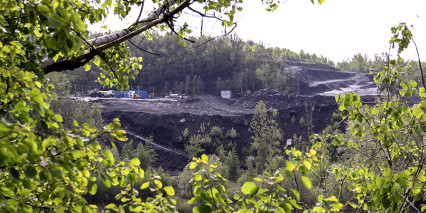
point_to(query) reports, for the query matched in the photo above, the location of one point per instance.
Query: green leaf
(403, 181)
(244, 211)
(145, 185)
(135, 162)
(296, 194)
(290, 166)
(158, 183)
(107, 183)
(198, 177)
(374, 111)
(52, 43)
(319, 209)
(250, 188)
(30, 171)
(278, 178)
(197, 191)
(110, 206)
(76, 19)
(109, 156)
(141, 172)
(43, 8)
(14, 173)
(333, 199)
(54, 22)
(306, 181)
(87, 67)
(169, 190)
(59, 118)
(192, 200)
(203, 208)
(93, 188)
(97, 61)
(236, 196)
(307, 164)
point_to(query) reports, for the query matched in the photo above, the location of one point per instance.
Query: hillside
(166, 119)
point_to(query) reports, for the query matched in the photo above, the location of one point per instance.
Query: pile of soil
(166, 120)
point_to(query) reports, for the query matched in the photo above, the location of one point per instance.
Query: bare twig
(216, 37)
(102, 55)
(140, 12)
(420, 63)
(146, 51)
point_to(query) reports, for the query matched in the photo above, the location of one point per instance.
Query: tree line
(207, 66)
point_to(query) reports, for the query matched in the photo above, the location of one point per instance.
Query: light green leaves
(93, 188)
(4, 51)
(109, 156)
(135, 162)
(290, 166)
(250, 188)
(306, 181)
(145, 185)
(169, 190)
(158, 183)
(198, 177)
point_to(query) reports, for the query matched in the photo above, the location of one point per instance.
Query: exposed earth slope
(166, 119)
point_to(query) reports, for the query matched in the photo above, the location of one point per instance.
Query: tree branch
(111, 40)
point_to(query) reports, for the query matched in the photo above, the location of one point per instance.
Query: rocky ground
(165, 119)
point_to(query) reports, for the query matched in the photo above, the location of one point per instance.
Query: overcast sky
(337, 29)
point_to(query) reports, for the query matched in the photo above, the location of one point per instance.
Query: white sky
(337, 29)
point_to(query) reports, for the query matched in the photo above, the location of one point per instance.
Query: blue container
(125, 94)
(116, 94)
(142, 94)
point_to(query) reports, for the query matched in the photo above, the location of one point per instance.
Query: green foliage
(267, 193)
(213, 141)
(265, 128)
(266, 134)
(146, 154)
(208, 187)
(364, 63)
(227, 63)
(48, 161)
(193, 148)
(233, 163)
(388, 173)
(277, 78)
